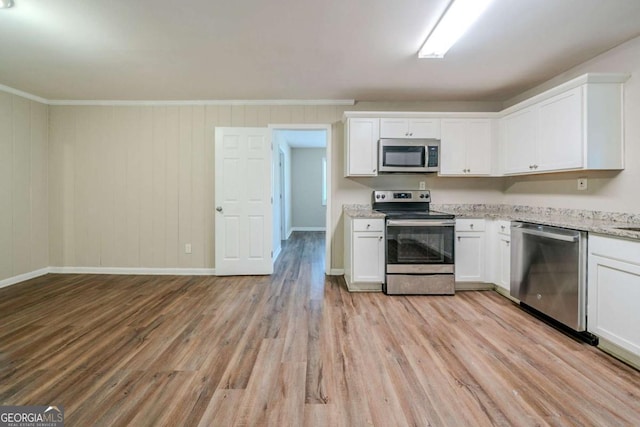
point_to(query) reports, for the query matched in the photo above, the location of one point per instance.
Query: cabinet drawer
(368, 225)
(615, 248)
(470, 224)
(504, 227)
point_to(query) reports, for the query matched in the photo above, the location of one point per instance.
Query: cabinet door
(470, 256)
(424, 128)
(368, 257)
(560, 138)
(394, 128)
(362, 147)
(453, 147)
(503, 276)
(479, 137)
(614, 292)
(518, 140)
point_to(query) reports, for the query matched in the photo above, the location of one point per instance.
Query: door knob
(219, 208)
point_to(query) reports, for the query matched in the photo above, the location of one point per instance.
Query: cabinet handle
(507, 242)
(380, 238)
(502, 227)
(458, 238)
(535, 166)
(374, 170)
(368, 225)
(471, 226)
(406, 134)
(411, 134)
(530, 166)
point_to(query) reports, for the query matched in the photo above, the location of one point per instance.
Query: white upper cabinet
(361, 146)
(418, 128)
(560, 141)
(518, 136)
(576, 128)
(466, 146)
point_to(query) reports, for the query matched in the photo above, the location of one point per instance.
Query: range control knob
(422, 196)
(377, 196)
(383, 196)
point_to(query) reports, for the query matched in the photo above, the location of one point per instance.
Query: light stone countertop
(606, 223)
(361, 211)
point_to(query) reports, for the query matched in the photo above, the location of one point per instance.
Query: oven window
(420, 245)
(403, 156)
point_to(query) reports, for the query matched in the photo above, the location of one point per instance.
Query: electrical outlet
(582, 184)
(187, 248)
(423, 185)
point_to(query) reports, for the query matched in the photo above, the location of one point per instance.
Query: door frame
(282, 201)
(327, 128)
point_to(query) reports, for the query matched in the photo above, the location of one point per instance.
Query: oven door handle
(419, 223)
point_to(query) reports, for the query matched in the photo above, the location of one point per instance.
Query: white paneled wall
(23, 186)
(130, 186)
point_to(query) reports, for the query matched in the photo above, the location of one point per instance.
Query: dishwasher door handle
(548, 235)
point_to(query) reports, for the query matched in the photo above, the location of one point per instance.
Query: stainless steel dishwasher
(548, 272)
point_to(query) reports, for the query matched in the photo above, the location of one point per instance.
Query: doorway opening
(301, 183)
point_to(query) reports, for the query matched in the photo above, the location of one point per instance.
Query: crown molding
(212, 102)
(23, 94)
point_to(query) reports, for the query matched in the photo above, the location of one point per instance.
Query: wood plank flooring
(295, 349)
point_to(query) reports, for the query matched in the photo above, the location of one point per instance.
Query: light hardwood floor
(295, 349)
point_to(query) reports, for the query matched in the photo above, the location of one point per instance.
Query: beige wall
(608, 191)
(131, 185)
(23, 186)
(306, 187)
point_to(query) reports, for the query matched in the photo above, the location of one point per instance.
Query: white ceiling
(296, 49)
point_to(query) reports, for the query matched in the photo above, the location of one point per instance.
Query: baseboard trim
(619, 353)
(336, 272)
(474, 286)
(135, 271)
(276, 254)
(22, 277)
(309, 229)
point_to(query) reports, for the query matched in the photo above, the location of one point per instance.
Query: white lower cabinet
(613, 294)
(502, 253)
(470, 250)
(364, 262)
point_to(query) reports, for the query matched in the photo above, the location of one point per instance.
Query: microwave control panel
(432, 156)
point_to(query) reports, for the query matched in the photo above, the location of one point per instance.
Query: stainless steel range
(419, 244)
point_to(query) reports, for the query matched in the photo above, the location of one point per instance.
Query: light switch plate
(187, 248)
(423, 185)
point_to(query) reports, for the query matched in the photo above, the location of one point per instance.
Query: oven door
(420, 246)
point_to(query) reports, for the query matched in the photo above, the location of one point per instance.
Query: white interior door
(243, 224)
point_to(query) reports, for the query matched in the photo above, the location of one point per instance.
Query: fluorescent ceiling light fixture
(5, 4)
(457, 19)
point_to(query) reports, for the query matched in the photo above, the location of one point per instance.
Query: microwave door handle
(418, 223)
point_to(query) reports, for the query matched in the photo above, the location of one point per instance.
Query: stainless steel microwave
(408, 155)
